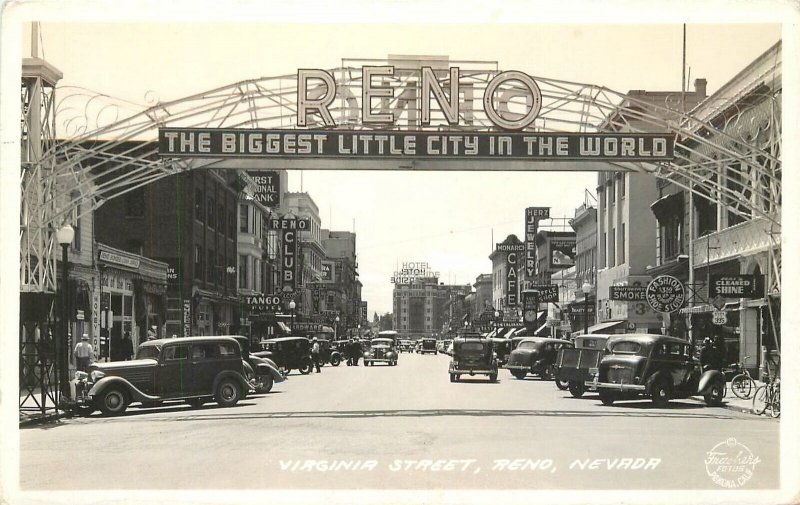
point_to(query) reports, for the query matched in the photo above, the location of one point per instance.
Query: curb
(39, 419)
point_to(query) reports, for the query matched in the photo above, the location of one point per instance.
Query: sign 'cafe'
(510, 143)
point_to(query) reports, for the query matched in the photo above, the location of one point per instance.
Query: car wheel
(519, 374)
(493, 377)
(114, 401)
(335, 360)
(196, 403)
(305, 367)
(264, 383)
(228, 393)
(659, 394)
(714, 398)
(607, 397)
(562, 384)
(576, 388)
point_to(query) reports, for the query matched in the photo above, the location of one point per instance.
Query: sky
(450, 220)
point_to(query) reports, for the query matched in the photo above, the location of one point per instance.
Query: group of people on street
(713, 353)
(353, 351)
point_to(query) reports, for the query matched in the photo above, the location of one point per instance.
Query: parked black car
(264, 371)
(472, 355)
(657, 366)
(578, 367)
(427, 345)
(288, 353)
(535, 355)
(193, 369)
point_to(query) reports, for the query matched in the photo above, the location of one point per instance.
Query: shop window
(612, 194)
(622, 244)
(671, 229)
(244, 214)
(612, 248)
(135, 246)
(198, 204)
(622, 187)
(242, 271)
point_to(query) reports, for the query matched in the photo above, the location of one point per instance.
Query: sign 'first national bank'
(383, 138)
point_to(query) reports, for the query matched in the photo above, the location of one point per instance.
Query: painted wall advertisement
(562, 252)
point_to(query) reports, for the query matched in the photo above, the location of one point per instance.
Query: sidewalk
(733, 402)
(32, 413)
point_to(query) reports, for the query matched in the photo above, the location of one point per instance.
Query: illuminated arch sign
(384, 138)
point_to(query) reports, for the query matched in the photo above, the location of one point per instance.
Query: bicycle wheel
(760, 400)
(775, 411)
(742, 386)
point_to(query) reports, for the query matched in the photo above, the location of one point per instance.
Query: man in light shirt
(83, 353)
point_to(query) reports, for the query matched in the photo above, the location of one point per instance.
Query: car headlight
(96, 375)
(81, 375)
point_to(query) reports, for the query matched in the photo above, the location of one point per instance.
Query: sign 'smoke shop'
(317, 91)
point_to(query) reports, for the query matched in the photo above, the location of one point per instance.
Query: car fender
(708, 379)
(235, 375)
(654, 378)
(135, 393)
(267, 369)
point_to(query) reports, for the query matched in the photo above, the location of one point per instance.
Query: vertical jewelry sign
(532, 217)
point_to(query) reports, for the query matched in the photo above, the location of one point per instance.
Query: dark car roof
(284, 339)
(545, 340)
(162, 341)
(648, 338)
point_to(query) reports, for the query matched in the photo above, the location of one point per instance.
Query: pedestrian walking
(126, 351)
(151, 333)
(356, 351)
(315, 353)
(83, 354)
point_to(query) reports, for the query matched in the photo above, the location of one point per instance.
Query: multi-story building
(301, 205)
(729, 232)
(581, 311)
(421, 307)
(188, 221)
(507, 262)
(623, 205)
(343, 295)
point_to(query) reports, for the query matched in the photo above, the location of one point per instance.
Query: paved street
(391, 425)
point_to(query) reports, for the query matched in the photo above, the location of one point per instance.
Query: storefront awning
(667, 206)
(706, 308)
(607, 325)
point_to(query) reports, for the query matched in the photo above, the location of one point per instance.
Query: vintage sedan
(381, 350)
(578, 366)
(288, 353)
(265, 372)
(192, 369)
(656, 366)
(535, 355)
(427, 345)
(472, 355)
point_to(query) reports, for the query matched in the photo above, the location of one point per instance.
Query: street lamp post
(496, 319)
(586, 288)
(336, 328)
(292, 305)
(64, 237)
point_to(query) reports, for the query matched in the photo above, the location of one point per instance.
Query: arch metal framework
(728, 154)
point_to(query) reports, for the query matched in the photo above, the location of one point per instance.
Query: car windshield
(527, 345)
(148, 351)
(381, 342)
(472, 346)
(625, 347)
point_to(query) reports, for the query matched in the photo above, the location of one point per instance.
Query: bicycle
(768, 396)
(742, 383)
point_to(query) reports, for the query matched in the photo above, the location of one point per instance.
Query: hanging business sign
(513, 253)
(364, 311)
(187, 318)
(327, 272)
(268, 190)
(737, 286)
(259, 304)
(627, 293)
(289, 223)
(532, 217)
(665, 293)
(547, 293)
(530, 307)
(412, 271)
(289, 260)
